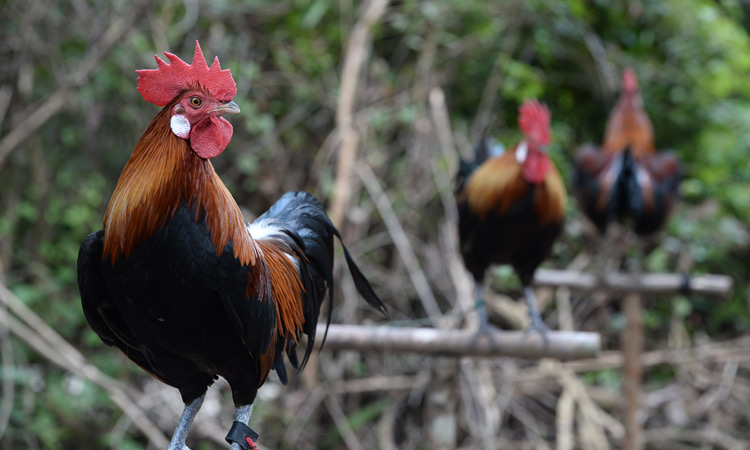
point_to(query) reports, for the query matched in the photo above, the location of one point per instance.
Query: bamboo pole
(562, 345)
(716, 285)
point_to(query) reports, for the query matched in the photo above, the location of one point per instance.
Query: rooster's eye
(195, 101)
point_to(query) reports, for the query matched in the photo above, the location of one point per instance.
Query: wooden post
(632, 348)
(440, 405)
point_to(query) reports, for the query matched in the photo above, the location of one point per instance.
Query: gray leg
(537, 324)
(242, 415)
(481, 307)
(186, 420)
(485, 329)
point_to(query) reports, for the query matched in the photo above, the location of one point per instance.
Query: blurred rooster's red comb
(629, 80)
(533, 119)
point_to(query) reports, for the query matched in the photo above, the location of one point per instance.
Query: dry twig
(733, 350)
(655, 283)
(356, 55)
(54, 103)
(460, 343)
(564, 424)
(400, 240)
(342, 424)
(42, 338)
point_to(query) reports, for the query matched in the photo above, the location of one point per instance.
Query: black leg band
(238, 433)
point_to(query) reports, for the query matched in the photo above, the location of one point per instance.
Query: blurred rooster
(511, 208)
(625, 179)
(178, 282)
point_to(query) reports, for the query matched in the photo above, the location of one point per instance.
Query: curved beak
(226, 108)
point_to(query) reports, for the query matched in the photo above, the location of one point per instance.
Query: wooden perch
(458, 343)
(718, 285)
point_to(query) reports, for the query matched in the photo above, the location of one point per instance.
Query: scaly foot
(486, 331)
(537, 324)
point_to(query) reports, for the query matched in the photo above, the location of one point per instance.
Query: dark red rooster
(511, 208)
(625, 179)
(178, 282)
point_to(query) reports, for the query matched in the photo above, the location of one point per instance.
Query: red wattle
(210, 137)
(535, 167)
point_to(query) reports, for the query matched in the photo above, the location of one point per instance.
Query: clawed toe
(486, 331)
(541, 328)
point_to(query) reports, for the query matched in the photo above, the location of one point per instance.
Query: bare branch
(342, 423)
(400, 240)
(448, 237)
(42, 338)
(655, 283)
(594, 419)
(733, 350)
(9, 387)
(461, 343)
(356, 55)
(86, 68)
(487, 106)
(564, 422)
(607, 71)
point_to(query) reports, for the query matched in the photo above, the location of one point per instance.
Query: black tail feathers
(304, 220)
(485, 149)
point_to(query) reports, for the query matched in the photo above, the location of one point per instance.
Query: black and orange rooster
(626, 179)
(511, 208)
(178, 282)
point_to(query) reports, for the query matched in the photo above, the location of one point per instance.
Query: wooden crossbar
(564, 345)
(716, 285)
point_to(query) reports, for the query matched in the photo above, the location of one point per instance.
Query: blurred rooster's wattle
(625, 179)
(511, 207)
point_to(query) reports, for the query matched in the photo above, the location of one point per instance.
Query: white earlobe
(180, 126)
(521, 152)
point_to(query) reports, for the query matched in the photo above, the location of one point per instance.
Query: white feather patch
(260, 230)
(521, 152)
(180, 126)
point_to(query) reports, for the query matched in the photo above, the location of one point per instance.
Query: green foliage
(692, 59)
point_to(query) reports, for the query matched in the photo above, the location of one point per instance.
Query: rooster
(511, 208)
(626, 179)
(178, 282)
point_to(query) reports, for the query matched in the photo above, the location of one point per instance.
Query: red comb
(629, 80)
(533, 119)
(160, 86)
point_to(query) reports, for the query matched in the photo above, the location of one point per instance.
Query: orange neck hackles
(628, 125)
(163, 173)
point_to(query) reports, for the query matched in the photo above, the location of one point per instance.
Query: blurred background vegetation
(70, 115)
